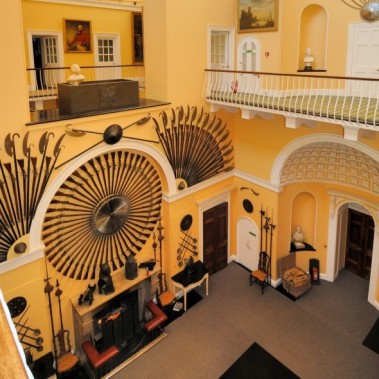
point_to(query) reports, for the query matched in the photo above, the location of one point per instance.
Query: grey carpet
(319, 335)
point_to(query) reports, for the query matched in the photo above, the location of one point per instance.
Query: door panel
(50, 60)
(107, 54)
(360, 237)
(364, 57)
(215, 238)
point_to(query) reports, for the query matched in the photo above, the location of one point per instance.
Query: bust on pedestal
(76, 77)
(308, 59)
(298, 238)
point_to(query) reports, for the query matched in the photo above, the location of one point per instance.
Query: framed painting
(137, 38)
(77, 36)
(257, 15)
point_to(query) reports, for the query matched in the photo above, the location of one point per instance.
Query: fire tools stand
(268, 229)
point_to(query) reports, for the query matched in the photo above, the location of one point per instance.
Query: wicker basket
(287, 263)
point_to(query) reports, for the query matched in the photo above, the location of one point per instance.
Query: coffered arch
(328, 158)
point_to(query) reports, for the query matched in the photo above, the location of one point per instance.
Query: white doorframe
(204, 206)
(231, 38)
(116, 71)
(337, 200)
(41, 33)
(353, 29)
(257, 52)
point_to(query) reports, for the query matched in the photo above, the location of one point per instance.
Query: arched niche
(313, 35)
(304, 214)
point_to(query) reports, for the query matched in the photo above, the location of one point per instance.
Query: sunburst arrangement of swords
(105, 211)
(197, 146)
(22, 182)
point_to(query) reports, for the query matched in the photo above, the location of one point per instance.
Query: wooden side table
(186, 281)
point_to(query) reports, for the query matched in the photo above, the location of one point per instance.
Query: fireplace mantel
(146, 282)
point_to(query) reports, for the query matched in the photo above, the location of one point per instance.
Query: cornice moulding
(126, 5)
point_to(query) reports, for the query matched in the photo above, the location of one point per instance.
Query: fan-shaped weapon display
(105, 211)
(197, 146)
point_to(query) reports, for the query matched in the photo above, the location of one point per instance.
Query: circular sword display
(103, 212)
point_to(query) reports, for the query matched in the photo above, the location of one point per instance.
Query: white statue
(76, 78)
(298, 238)
(308, 59)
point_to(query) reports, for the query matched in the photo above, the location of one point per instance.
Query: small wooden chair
(165, 297)
(67, 363)
(261, 274)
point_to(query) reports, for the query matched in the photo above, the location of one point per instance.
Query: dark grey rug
(193, 297)
(372, 339)
(257, 363)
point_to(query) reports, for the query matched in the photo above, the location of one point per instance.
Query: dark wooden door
(215, 241)
(360, 238)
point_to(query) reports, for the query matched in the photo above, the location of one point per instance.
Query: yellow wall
(38, 16)
(339, 17)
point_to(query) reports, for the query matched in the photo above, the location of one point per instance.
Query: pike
(11, 151)
(27, 154)
(11, 231)
(48, 172)
(200, 142)
(208, 140)
(43, 150)
(8, 198)
(33, 189)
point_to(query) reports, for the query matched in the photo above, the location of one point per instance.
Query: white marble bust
(76, 77)
(298, 238)
(308, 59)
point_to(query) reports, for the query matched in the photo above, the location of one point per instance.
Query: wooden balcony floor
(52, 115)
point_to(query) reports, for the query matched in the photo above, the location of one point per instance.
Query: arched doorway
(248, 59)
(248, 238)
(339, 201)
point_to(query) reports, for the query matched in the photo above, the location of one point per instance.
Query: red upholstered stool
(99, 363)
(155, 325)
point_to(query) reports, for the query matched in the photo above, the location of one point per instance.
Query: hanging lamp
(369, 10)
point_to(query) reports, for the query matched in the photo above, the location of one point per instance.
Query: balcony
(301, 98)
(43, 90)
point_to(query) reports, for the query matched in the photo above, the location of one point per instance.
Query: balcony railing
(347, 101)
(42, 82)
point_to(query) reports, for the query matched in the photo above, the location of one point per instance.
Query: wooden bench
(96, 359)
(159, 317)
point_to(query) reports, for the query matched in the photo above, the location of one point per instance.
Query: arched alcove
(304, 214)
(313, 35)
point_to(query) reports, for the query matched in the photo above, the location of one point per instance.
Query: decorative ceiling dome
(332, 162)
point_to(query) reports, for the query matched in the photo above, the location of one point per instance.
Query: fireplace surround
(114, 319)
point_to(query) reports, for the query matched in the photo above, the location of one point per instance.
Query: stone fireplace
(113, 319)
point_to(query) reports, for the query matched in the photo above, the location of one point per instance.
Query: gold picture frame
(77, 36)
(257, 15)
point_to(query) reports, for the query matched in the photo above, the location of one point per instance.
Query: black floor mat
(257, 363)
(372, 339)
(193, 298)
